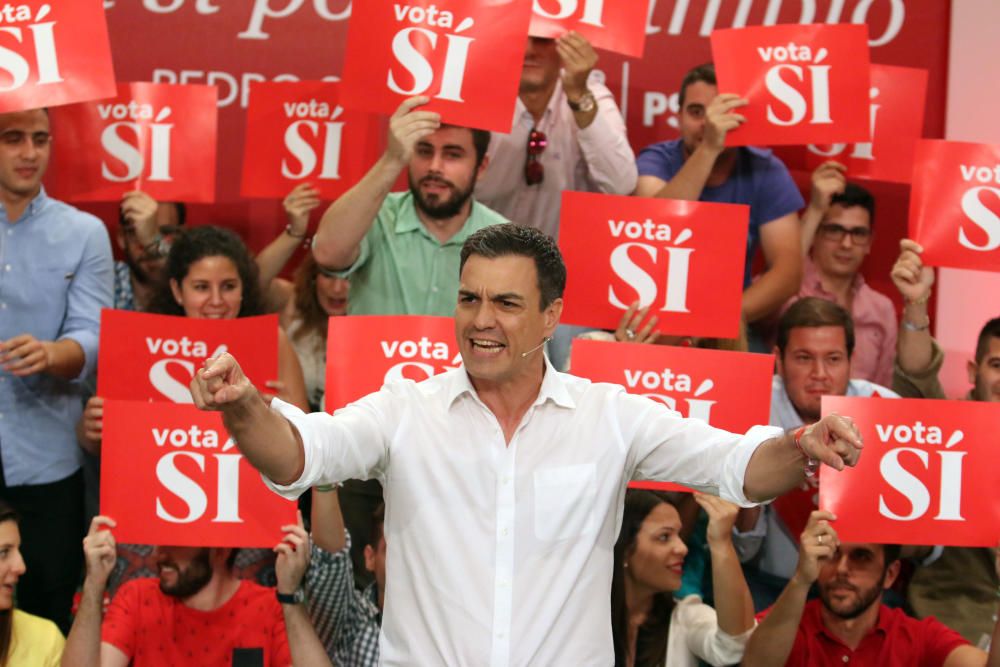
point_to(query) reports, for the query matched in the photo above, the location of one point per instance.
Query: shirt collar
(34, 206)
(553, 387)
(408, 221)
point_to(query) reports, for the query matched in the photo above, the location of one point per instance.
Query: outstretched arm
(772, 642)
(779, 464)
(268, 440)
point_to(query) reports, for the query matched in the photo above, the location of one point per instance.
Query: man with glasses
(837, 236)
(55, 276)
(567, 134)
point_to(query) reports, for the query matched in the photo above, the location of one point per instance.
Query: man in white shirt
(504, 479)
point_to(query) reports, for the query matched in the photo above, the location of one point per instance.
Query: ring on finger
(819, 539)
(629, 334)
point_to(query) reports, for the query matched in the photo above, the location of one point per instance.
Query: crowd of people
(470, 547)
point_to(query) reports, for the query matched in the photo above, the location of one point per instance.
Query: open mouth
(486, 345)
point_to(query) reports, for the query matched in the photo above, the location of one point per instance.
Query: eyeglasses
(534, 172)
(17, 137)
(836, 233)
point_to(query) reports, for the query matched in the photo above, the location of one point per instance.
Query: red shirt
(156, 629)
(897, 640)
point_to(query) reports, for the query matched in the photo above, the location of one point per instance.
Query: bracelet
(326, 488)
(913, 326)
(812, 465)
(917, 302)
(288, 230)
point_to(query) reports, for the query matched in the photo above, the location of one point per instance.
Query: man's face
(148, 268)
(25, 146)
(842, 257)
(697, 97)
(443, 172)
(815, 364)
(853, 580)
(183, 570)
(498, 317)
(541, 65)
(986, 374)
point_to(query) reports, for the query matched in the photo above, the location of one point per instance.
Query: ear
(891, 574)
(779, 364)
(973, 369)
(552, 314)
(482, 167)
(369, 558)
(120, 238)
(176, 289)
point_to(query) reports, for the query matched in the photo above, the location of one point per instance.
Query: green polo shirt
(403, 269)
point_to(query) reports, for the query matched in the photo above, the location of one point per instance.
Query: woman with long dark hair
(649, 627)
(25, 640)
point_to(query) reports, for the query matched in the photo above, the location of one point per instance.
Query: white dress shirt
(501, 554)
(597, 158)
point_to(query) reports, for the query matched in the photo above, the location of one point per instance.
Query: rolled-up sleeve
(604, 144)
(90, 290)
(699, 624)
(352, 443)
(670, 448)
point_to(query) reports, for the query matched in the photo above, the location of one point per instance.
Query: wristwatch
(585, 104)
(291, 598)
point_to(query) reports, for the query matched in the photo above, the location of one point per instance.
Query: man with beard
(401, 250)
(196, 613)
(958, 585)
(145, 230)
(848, 624)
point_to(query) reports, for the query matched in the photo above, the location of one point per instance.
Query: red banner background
(233, 44)
(170, 476)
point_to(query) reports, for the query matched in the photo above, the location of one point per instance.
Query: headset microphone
(544, 341)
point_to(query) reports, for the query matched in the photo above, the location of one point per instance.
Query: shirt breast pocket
(564, 501)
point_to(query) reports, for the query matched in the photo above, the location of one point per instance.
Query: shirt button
(845, 659)
(7, 268)
(434, 289)
(3, 306)
(504, 532)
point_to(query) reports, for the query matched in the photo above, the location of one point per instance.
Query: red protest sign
(618, 27)
(154, 137)
(806, 84)
(154, 357)
(465, 55)
(53, 53)
(730, 390)
(955, 204)
(897, 122)
(683, 259)
(171, 475)
(928, 468)
(298, 131)
(366, 351)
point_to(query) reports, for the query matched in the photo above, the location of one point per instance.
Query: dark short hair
(704, 73)
(813, 312)
(195, 244)
(376, 529)
(8, 513)
(989, 331)
(511, 239)
(855, 195)
(231, 560)
(480, 141)
(890, 554)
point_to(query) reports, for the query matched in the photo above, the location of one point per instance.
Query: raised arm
(914, 348)
(290, 567)
(298, 204)
(269, 441)
(772, 642)
(779, 242)
(828, 179)
(733, 602)
(344, 224)
(690, 180)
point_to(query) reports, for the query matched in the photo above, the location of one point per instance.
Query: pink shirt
(595, 159)
(875, 325)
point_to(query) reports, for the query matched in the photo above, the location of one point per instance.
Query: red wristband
(812, 465)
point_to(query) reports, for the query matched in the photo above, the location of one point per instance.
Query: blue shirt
(759, 179)
(55, 277)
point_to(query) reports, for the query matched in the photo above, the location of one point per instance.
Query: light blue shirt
(55, 277)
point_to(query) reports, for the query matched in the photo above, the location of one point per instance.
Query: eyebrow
(505, 296)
